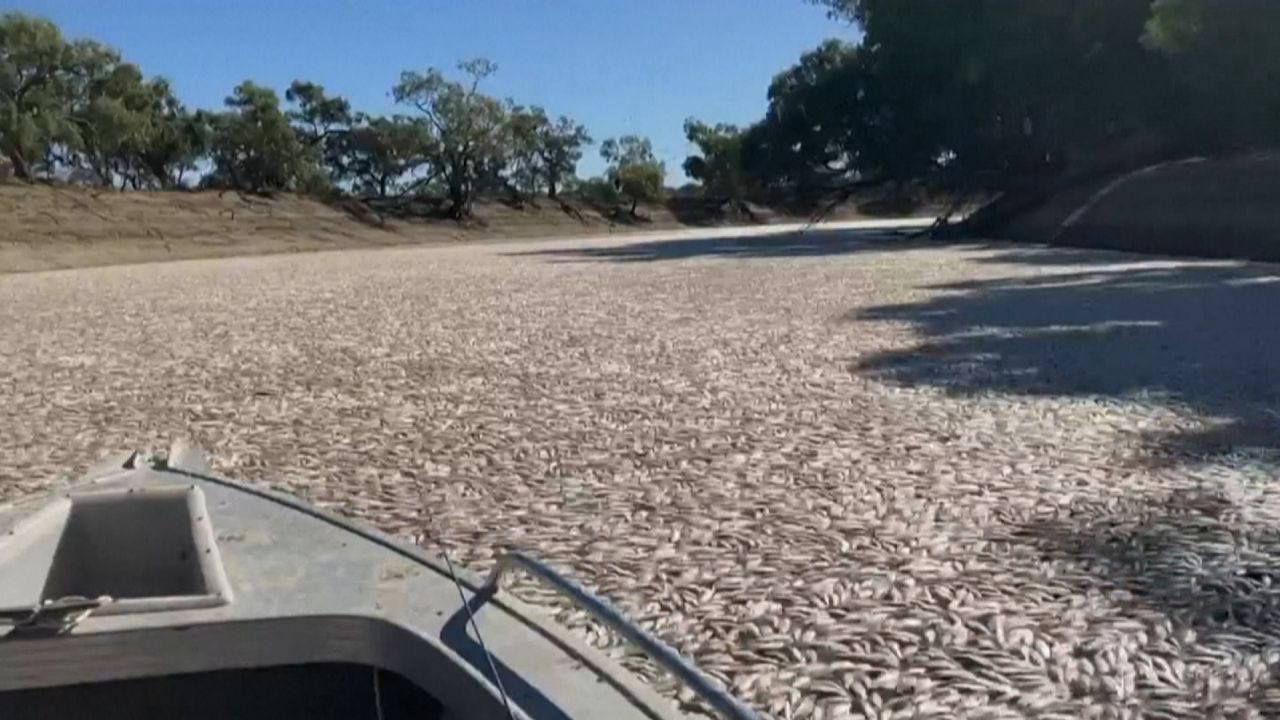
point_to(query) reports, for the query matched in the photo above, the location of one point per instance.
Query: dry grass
(697, 438)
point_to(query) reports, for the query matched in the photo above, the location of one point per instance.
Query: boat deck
(306, 588)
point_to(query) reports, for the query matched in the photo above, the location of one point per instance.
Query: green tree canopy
(77, 107)
(469, 131)
(176, 139)
(973, 94)
(115, 113)
(321, 122)
(984, 93)
(633, 169)
(546, 152)
(718, 164)
(36, 72)
(1225, 63)
(253, 146)
(319, 115)
(378, 155)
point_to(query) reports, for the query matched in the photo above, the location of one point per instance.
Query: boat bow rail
(723, 703)
(196, 574)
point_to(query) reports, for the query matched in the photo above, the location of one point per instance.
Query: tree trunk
(468, 199)
(21, 167)
(634, 203)
(232, 176)
(457, 201)
(551, 188)
(513, 192)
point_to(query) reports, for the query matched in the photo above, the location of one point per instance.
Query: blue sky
(619, 66)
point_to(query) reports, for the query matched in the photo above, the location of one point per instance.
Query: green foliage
(319, 115)
(321, 123)
(77, 104)
(985, 93)
(111, 113)
(598, 191)
(525, 125)
(253, 147)
(971, 96)
(1175, 26)
(627, 150)
(469, 131)
(544, 153)
(77, 108)
(824, 126)
(176, 139)
(718, 168)
(36, 70)
(126, 125)
(314, 181)
(633, 169)
(639, 182)
(1225, 63)
(851, 10)
(377, 155)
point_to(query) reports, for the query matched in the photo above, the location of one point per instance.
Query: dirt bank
(1217, 208)
(48, 227)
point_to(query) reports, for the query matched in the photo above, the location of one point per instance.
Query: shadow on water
(814, 243)
(1201, 336)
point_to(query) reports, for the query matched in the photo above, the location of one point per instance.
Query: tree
(320, 116)
(78, 104)
(253, 146)
(718, 167)
(176, 138)
(113, 109)
(526, 125)
(320, 121)
(35, 65)
(469, 131)
(378, 154)
(1225, 64)
(853, 11)
(968, 96)
(829, 125)
(545, 153)
(598, 191)
(633, 169)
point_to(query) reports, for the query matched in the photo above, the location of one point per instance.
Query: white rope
(493, 668)
(377, 695)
